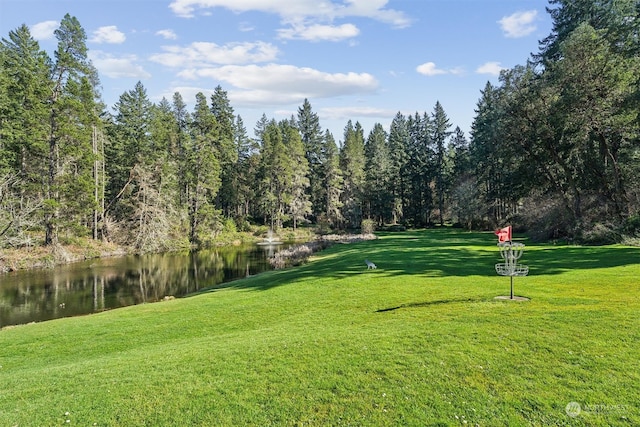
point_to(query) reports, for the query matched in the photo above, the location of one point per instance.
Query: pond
(103, 284)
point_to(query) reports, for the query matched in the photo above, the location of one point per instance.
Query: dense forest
(554, 149)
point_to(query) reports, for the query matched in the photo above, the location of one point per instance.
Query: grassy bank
(419, 341)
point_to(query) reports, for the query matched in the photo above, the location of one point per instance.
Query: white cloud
(430, 69)
(167, 34)
(348, 113)
(44, 30)
(108, 34)
(245, 27)
(283, 84)
(374, 9)
(520, 24)
(117, 67)
(491, 67)
(205, 54)
(319, 32)
(457, 71)
(294, 10)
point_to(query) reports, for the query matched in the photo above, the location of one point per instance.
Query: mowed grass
(420, 341)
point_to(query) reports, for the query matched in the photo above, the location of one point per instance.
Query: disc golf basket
(511, 253)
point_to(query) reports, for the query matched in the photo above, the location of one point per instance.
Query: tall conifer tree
(377, 176)
(352, 162)
(228, 155)
(313, 140)
(203, 174)
(440, 127)
(73, 110)
(333, 182)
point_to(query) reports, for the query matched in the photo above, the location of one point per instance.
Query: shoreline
(47, 257)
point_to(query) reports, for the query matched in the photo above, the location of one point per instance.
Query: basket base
(515, 298)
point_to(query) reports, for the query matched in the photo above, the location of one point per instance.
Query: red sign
(504, 234)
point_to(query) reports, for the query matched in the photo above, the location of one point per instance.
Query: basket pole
(511, 277)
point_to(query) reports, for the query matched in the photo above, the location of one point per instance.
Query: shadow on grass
(554, 260)
(429, 303)
(438, 253)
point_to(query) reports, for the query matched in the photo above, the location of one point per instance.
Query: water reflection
(97, 285)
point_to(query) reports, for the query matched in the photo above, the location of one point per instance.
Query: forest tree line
(554, 149)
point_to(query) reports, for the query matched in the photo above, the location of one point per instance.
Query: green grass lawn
(420, 341)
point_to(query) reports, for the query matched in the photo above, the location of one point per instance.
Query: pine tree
(243, 176)
(420, 169)
(486, 154)
(130, 145)
(227, 153)
(73, 110)
(377, 176)
(440, 128)
(313, 140)
(24, 92)
(333, 182)
(297, 183)
(275, 175)
(352, 165)
(24, 108)
(166, 223)
(182, 120)
(399, 143)
(617, 20)
(463, 190)
(203, 174)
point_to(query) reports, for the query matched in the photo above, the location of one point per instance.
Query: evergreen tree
(203, 174)
(460, 155)
(179, 150)
(617, 20)
(599, 119)
(243, 176)
(440, 128)
(275, 174)
(398, 169)
(296, 184)
(73, 111)
(24, 110)
(24, 92)
(463, 190)
(261, 126)
(227, 153)
(130, 144)
(352, 165)
(590, 124)
(78, 201)
(313, 140)
(486, 154)
(377, 174)
(420, 169)
(333, 182)
(165, 225)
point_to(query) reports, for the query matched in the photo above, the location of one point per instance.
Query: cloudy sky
(363, 60)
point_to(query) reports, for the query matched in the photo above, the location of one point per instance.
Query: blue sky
(363, 60)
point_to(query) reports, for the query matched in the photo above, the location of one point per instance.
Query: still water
(103, 284)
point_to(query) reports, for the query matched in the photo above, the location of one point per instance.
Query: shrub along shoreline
(39, 257)
(299, 254)
(81, 249)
